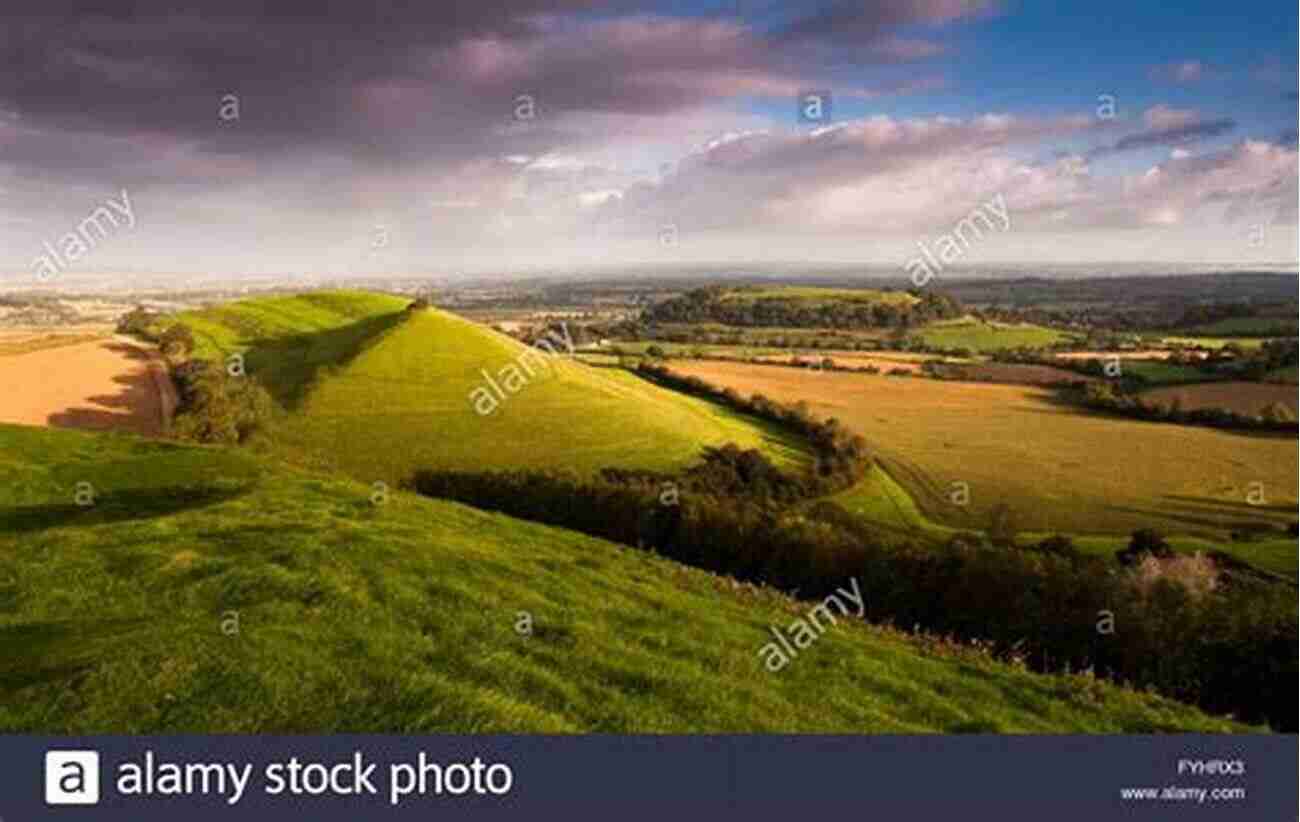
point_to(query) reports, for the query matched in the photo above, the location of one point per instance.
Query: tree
(136, 322)
(1144, 542)
(217, 407)
(177, 342)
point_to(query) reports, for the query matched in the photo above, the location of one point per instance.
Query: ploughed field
(1242, 397)
(82, 381)
(1058, 467)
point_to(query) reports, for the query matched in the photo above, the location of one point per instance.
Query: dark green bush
(217, 407)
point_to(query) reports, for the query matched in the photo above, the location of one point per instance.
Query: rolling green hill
(207, 590)
(378, 393)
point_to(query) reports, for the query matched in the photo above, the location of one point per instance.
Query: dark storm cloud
(150, 68)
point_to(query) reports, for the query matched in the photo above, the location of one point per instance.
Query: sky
(244, 137)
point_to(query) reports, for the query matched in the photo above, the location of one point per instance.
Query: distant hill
(804, 307)
(378, 392)
(203, 589)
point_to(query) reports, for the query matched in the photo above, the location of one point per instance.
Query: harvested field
(1242, 397)
(1058, 467)
(103, 384)
(1010, 373)
(850, 360)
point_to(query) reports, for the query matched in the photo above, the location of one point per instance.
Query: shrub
(177, 342)
(1144, 542)
(1057, 545)
(216, 407)
(1196, 574)
(137, 322)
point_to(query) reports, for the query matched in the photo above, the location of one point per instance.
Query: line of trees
(841, 457)
(216, 403)
(707, 305)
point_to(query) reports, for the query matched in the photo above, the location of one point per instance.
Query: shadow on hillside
(1211, 520)
(114, 506)
(41, 653)
(288, 366)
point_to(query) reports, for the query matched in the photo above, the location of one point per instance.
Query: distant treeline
(1231, 650)
(706, 305)
(1274, 319)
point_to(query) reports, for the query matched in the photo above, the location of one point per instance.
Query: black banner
(1061, 778)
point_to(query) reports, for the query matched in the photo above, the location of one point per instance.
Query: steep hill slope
(377, 392)
(150, 587)
(411, 400)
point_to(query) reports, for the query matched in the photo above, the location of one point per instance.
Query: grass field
(1157, 372)
(1213, 342)
(1057, 467)
(376, 394)
(207, 591)
(984, 337)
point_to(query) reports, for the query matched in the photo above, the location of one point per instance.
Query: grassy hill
(370, 390)
(209, 590)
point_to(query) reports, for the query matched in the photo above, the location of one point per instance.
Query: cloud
(858, 21)
(1183, 72)
(1167, 126)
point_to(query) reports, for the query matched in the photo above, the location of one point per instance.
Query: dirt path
(115, 383)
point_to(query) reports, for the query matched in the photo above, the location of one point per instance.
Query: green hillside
(377, 393)
(207, 590)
